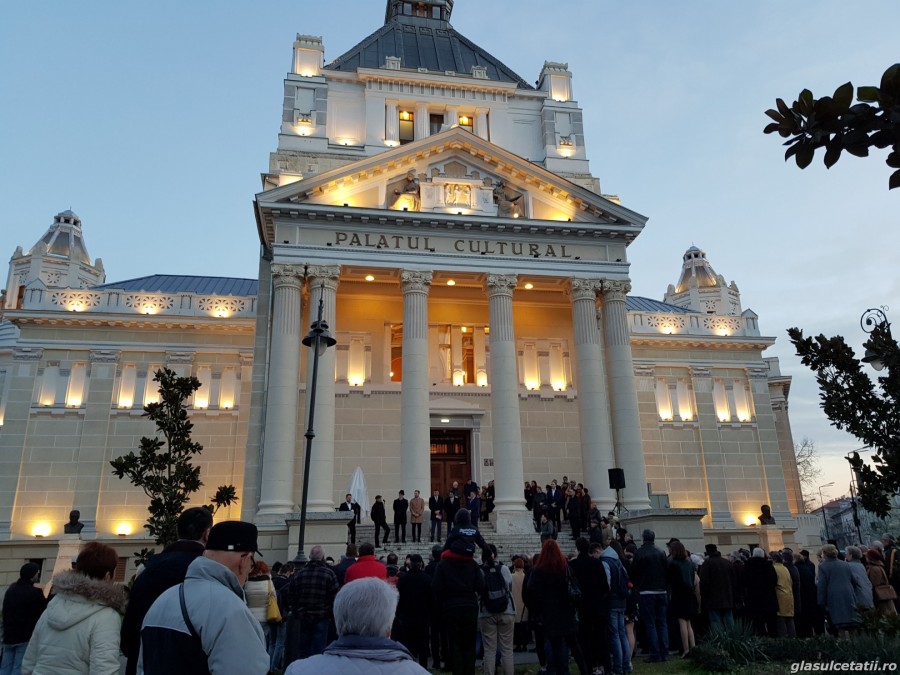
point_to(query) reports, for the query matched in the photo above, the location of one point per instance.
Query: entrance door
(451, 458)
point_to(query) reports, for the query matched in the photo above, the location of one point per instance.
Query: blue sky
(153, 121)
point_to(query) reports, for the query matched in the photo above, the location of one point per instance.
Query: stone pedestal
(682, 524)
(328, 530)
(69, 545)
(513, 522)
(776, 537)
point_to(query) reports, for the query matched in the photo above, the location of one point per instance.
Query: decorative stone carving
(75, 300)
(104, 356)
(27, 354)
(150, 304)
(408, 194)
(501, 284)
(287, 275)
(326, 276)
(720, 323)
(510, 204)
(412, 281)
(230, 304)
(615, 290)
(179, 358)
(664, 321)
(585, 289)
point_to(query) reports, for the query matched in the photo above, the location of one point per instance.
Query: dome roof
(696, 267)
(64, 238)
(424, 42)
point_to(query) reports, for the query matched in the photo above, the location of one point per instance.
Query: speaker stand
(619, 507)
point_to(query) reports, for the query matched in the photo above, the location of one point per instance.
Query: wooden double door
(451, 458)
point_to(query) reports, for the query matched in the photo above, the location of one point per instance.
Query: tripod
(619, 507)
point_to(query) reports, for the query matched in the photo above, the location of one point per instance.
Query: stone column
(19, 389)
(481, 123)
(593, 405)
(423, 121)
(323, 283)
(276, 496)
(93, 457)
(509, 473)
(391, 122)
(623, 405)
(415, 431)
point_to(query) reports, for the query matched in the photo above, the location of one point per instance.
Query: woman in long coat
(878, 577)
(837, 591)
(521, 636)
(759, 579)
(547, 590)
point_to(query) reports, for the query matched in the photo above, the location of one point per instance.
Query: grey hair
(758, 552)
(317, 553)
(887, 536)
(365, 607)
(853, 552)
(877, 545)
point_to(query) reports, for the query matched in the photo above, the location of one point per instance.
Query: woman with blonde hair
(79, 631)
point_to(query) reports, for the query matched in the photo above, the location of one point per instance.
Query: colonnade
(604, 373)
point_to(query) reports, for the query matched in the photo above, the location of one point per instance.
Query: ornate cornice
(585, 289)
(415, 281)
(179, 358)
(501, 284)
(615, 290)
(700, 372)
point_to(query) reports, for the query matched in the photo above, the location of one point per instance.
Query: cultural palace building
(443, 211)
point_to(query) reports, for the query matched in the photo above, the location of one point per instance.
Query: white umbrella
(357, 490)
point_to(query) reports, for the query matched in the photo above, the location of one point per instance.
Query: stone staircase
(507, 544)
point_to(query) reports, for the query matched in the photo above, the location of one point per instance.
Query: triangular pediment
(452, 174)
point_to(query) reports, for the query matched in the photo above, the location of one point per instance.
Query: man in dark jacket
(414, 609)
(809, 620)
(436, 507)
(352, 506)
(761, 602)
(593, 615)
(379, 517)
(649, 577)
(457, 585)
(717, 581)
(401, 506)
(308, 601)
(161, 572)
(23, 605)
(438, 635)
(348, 559)
(451, 506)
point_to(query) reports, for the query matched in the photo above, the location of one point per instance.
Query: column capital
(585, 289)
(287, 275)
(323, 275)
(501, 284)
(700, 372)
(615, 290)
(27, 353)
(175, 358)
(105, 356)
(415, 281)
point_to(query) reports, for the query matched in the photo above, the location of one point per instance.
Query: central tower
(434, 11)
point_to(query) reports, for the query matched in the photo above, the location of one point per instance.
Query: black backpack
(495, 598)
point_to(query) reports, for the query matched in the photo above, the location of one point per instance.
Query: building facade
(442, 212)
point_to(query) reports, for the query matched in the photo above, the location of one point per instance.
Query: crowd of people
(210, 604)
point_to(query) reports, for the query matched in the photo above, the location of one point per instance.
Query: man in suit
(401, 506)
(350, 505)
(555, 501)
(451, 506)
(380, 519)
(436, 506)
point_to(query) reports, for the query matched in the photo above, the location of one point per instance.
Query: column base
(514, 522)
(273, 512)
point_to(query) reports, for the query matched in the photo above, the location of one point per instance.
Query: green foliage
(836, 124)
(864, 407)
(162, 468)
(877, 623)
(728, 647)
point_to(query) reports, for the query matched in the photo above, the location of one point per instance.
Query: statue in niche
(510, 205)
(765, 518)
(409, 194)
(74, 526)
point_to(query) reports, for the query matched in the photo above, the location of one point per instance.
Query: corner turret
(699, 288)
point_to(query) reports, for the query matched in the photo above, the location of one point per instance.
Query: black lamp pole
(318, 339)
(821, 501)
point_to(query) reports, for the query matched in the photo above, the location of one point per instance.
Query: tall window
(466, 122)
(435, 122)
(407, 127)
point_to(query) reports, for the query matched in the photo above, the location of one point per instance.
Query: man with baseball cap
(23, 605)
(203, 625)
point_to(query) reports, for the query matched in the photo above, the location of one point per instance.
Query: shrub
(725, 648)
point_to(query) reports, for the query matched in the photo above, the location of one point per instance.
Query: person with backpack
(498, 614)
(617, 578)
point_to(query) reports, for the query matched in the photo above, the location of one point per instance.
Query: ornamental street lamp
(318, 339)
(869, 321)
(821, 502)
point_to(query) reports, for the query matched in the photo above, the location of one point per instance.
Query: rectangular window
(407, 127)
(466, 122)
(435, 124)
(49, 385)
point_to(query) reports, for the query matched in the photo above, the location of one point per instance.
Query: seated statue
(508, 206)
(73, 526)
(765, 518)
(409, 194)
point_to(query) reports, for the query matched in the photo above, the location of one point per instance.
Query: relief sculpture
(408, 196)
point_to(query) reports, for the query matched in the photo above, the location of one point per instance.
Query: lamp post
(871, 319)
(318, 339)
(821, 502)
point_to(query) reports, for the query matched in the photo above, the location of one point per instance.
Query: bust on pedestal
(74, 526)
